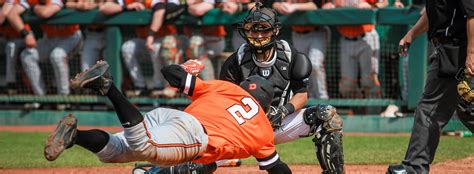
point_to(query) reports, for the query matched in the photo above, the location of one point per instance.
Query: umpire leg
(433, 112)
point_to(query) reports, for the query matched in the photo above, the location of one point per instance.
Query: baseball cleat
(63, 137)
(97, 78)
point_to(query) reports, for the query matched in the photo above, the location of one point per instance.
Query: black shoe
(63, 137)
(97, 78)
(399, 169)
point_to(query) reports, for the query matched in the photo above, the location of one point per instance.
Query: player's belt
(306, 31)
(96, 28)
(445, 40)
(355, 38)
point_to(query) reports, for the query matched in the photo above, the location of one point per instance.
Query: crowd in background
(162, 43)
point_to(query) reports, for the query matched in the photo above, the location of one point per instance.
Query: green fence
(400, 18)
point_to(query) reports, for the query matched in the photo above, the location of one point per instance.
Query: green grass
(21, 150)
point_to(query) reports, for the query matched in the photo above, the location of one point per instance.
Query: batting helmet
(260, 88)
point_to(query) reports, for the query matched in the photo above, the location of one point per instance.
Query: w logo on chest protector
(265, 72)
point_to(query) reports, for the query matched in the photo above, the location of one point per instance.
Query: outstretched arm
(420, 27)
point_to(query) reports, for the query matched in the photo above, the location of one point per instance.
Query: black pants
(435, 109)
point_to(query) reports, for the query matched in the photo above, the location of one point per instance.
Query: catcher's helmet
(260, 88)
(260, 28)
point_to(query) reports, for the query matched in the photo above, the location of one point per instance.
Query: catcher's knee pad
(330, 152)
(324, 116)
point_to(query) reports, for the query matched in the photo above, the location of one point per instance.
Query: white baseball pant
(359, 55)
(12, 49)
(136, 48)
(165, 138)
(94, 45)
(56, 49)
(314, 45)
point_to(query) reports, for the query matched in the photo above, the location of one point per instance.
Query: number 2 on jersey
(239, 113)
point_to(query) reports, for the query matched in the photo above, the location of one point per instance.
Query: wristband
(24, 32)
(151, 32)
(289, 107)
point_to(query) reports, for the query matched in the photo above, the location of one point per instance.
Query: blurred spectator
(57, 43)
(14, 44)
(232, 7)
(359, 53)
(94, 34)
(204, 42)
(393, 110)
(311, 40)
(148, 43)
(398, 4)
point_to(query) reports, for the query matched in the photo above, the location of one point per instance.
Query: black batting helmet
(260, 88)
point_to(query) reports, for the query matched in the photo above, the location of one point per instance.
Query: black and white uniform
(288, 71)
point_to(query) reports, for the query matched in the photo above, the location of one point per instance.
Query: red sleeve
(373, 1)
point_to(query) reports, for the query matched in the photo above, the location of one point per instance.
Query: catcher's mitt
(276, 115)
(464, 86)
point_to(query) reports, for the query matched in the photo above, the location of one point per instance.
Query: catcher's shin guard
(329, 152)
(327, 125)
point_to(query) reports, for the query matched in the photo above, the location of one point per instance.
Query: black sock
(128, 114)
(93, 140)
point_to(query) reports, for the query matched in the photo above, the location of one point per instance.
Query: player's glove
(276, 115)
(193, 66)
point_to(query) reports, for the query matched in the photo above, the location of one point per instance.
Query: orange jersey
(165, 30)
(10, 33)
(354, 30)
(210, 30)
(55, 30)
(237, 126)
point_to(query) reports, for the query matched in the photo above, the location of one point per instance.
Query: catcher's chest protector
(279, 73)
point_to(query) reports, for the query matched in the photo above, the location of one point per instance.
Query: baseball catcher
(275, 60)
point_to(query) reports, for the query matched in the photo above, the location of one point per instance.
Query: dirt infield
(452, 167)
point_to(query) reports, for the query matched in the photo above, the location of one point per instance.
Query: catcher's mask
(260, 28)
(261, 89)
